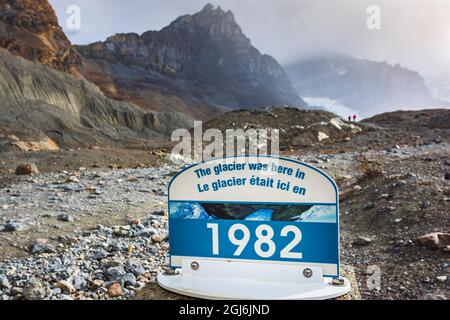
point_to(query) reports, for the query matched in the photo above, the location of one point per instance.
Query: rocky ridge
(30, 29)
(199, 64)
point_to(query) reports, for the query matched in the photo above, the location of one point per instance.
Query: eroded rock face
(196, 63)
(29, 28)
(43, 109)
(11, 142)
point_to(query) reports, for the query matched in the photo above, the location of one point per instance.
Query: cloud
(414, 33)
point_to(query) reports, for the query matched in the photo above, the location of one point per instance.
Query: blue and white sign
(255, 209)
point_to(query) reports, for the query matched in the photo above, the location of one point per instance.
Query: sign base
(231, 280)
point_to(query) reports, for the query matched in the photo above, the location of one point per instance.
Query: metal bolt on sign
(307, 273)
(195, 265)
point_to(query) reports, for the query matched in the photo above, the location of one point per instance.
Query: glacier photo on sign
(253, 212)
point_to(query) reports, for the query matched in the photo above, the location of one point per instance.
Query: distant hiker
(354, 117)
(349, 118)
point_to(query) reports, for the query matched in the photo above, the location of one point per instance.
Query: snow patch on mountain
(332, 106)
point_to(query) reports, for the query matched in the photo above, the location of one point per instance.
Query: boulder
(436, 240)
(27, 169)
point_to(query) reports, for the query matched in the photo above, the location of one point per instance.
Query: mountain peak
(209, 11)
(201, 59)
(29, 28)
(208, 7)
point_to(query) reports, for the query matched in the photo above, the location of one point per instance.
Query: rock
(64, 217)
(34, 290)
(362, 241)
(116, 273)
(100, 175)
(95, 284)
(40, 246)
(441, 279)
(115, 290)
(27, 169)
(135, 268)
(447, 176)
(66, 286)
(430, 296)
(56, 291)
(15, 226)
(72, 179)
(135, 222)
(159, 213)
(357, 188)
(115, 246)
(156, 238)
(99, 255)
(369, 206)
(78, 282)
(128, 280)
(400, 183)
(16, 291)
(437, 240)
(4, 282)
(147, 232)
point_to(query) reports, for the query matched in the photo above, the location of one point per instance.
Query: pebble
(15, 226)
(369, 205)
(362, 241)
(135, 268)
(115, 290)
(400, 183)
(95, 284)
(156, 238)
(64, 217)
(430, 296)
(73, 179)
(116, 273)
(128, 280)
(27, 169)
(15, 291)
(34, 290)
(39, 247)
(99, 255)
(4, 282)
(66, 286)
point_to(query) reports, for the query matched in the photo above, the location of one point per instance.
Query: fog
(414, 33)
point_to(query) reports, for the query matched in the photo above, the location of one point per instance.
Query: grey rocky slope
(197, 64)
(368, 87)
(38, 103)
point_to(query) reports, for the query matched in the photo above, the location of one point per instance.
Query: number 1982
(264, 234)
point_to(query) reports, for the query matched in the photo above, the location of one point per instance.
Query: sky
(413, 33)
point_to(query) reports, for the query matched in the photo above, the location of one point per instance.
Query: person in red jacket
(354, 117)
